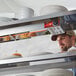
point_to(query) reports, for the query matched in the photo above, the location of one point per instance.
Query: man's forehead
(62, 35)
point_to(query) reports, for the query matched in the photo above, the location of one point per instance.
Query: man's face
(65, 42)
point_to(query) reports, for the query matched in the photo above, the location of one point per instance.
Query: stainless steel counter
(37, 63)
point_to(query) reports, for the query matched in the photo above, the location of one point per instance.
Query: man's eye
(63, 38)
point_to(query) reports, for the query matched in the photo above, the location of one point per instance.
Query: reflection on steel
(23, 35)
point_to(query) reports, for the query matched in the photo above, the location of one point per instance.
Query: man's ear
(73, 38)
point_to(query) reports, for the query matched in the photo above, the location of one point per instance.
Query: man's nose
(60, 42)
(59, 39)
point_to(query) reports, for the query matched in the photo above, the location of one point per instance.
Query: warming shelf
(37, 63)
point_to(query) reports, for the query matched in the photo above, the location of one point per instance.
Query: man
(67, 43)
(66, 40)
